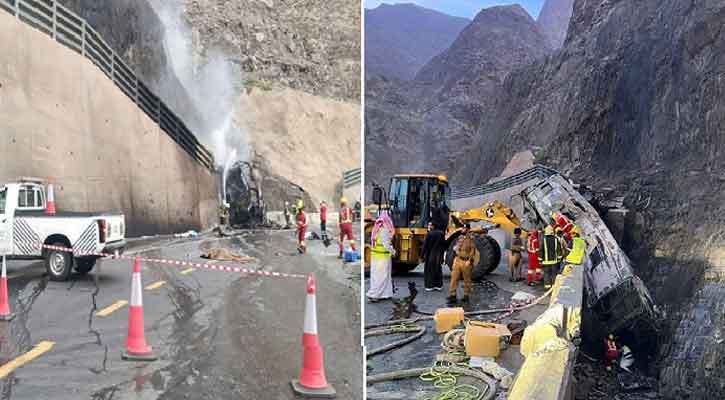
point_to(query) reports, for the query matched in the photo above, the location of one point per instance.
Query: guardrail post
(55, 19)
(17, 9)
(83, 38)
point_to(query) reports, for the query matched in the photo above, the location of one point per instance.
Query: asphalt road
(493, 293)
(218, 335)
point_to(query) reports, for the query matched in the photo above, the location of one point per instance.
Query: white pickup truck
(25, 227)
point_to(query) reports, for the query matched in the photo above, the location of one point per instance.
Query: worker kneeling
(463, 265)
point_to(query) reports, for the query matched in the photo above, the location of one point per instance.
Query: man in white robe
(381, 259)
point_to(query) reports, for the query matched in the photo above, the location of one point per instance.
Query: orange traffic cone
(136, 347)
(312, 382)
(5, 314)
(50, 203)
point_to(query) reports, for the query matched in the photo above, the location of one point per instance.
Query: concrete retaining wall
(60, 116)
(551, 343)
(353, 194)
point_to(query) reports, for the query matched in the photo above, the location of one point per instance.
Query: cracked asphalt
(218, 335)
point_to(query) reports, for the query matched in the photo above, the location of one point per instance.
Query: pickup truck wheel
(85, 265)
(58, 263)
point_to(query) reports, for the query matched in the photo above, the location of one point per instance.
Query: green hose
(442, 376)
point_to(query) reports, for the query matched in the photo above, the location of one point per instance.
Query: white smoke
(209, 79)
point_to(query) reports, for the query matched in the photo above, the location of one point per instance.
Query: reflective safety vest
(550, 250)
(379, 251)
(578, 250)
(627, 358)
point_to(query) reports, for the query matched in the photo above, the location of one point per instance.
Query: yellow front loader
(414, 199)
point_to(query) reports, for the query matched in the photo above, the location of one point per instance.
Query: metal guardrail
(351, 178)
(67, 28)
(536, 172)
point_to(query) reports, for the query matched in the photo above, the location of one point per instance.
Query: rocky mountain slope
(634, 101)
(429, 124)
(554, 20)
(311, 45)
(299, 63)
(498, 40)
(401, 38)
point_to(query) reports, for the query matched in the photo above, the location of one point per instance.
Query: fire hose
(467, 314)
(395, 329)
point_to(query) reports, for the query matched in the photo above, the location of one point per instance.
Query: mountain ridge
(401, 38)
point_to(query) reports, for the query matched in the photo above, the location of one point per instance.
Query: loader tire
(489, 256)
(490, 253)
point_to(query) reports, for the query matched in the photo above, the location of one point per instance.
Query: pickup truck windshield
(3, 196)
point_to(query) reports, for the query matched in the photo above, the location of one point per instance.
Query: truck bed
(65, 214)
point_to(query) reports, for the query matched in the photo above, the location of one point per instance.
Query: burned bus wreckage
(616, 300)
(243, 195)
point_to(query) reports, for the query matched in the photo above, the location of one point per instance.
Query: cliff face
(634, 101)
(298, 63)
(431, 121)
(554, 20)
(311, 46)
(401, 38)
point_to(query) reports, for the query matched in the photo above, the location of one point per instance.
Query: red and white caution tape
(224, 268)
(214, 267)
(75, 252)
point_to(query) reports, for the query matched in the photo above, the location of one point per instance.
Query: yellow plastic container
(483, 339)
(447, 318)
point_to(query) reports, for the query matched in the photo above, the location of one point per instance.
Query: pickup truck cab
(25, 227)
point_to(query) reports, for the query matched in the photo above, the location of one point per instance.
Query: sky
(463, 8)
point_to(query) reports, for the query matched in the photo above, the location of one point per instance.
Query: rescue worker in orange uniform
(611, 351)
(301, 220)
(533, 275)
(561, 221)
(345, 226)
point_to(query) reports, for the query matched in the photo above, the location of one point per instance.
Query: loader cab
(414, 198)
